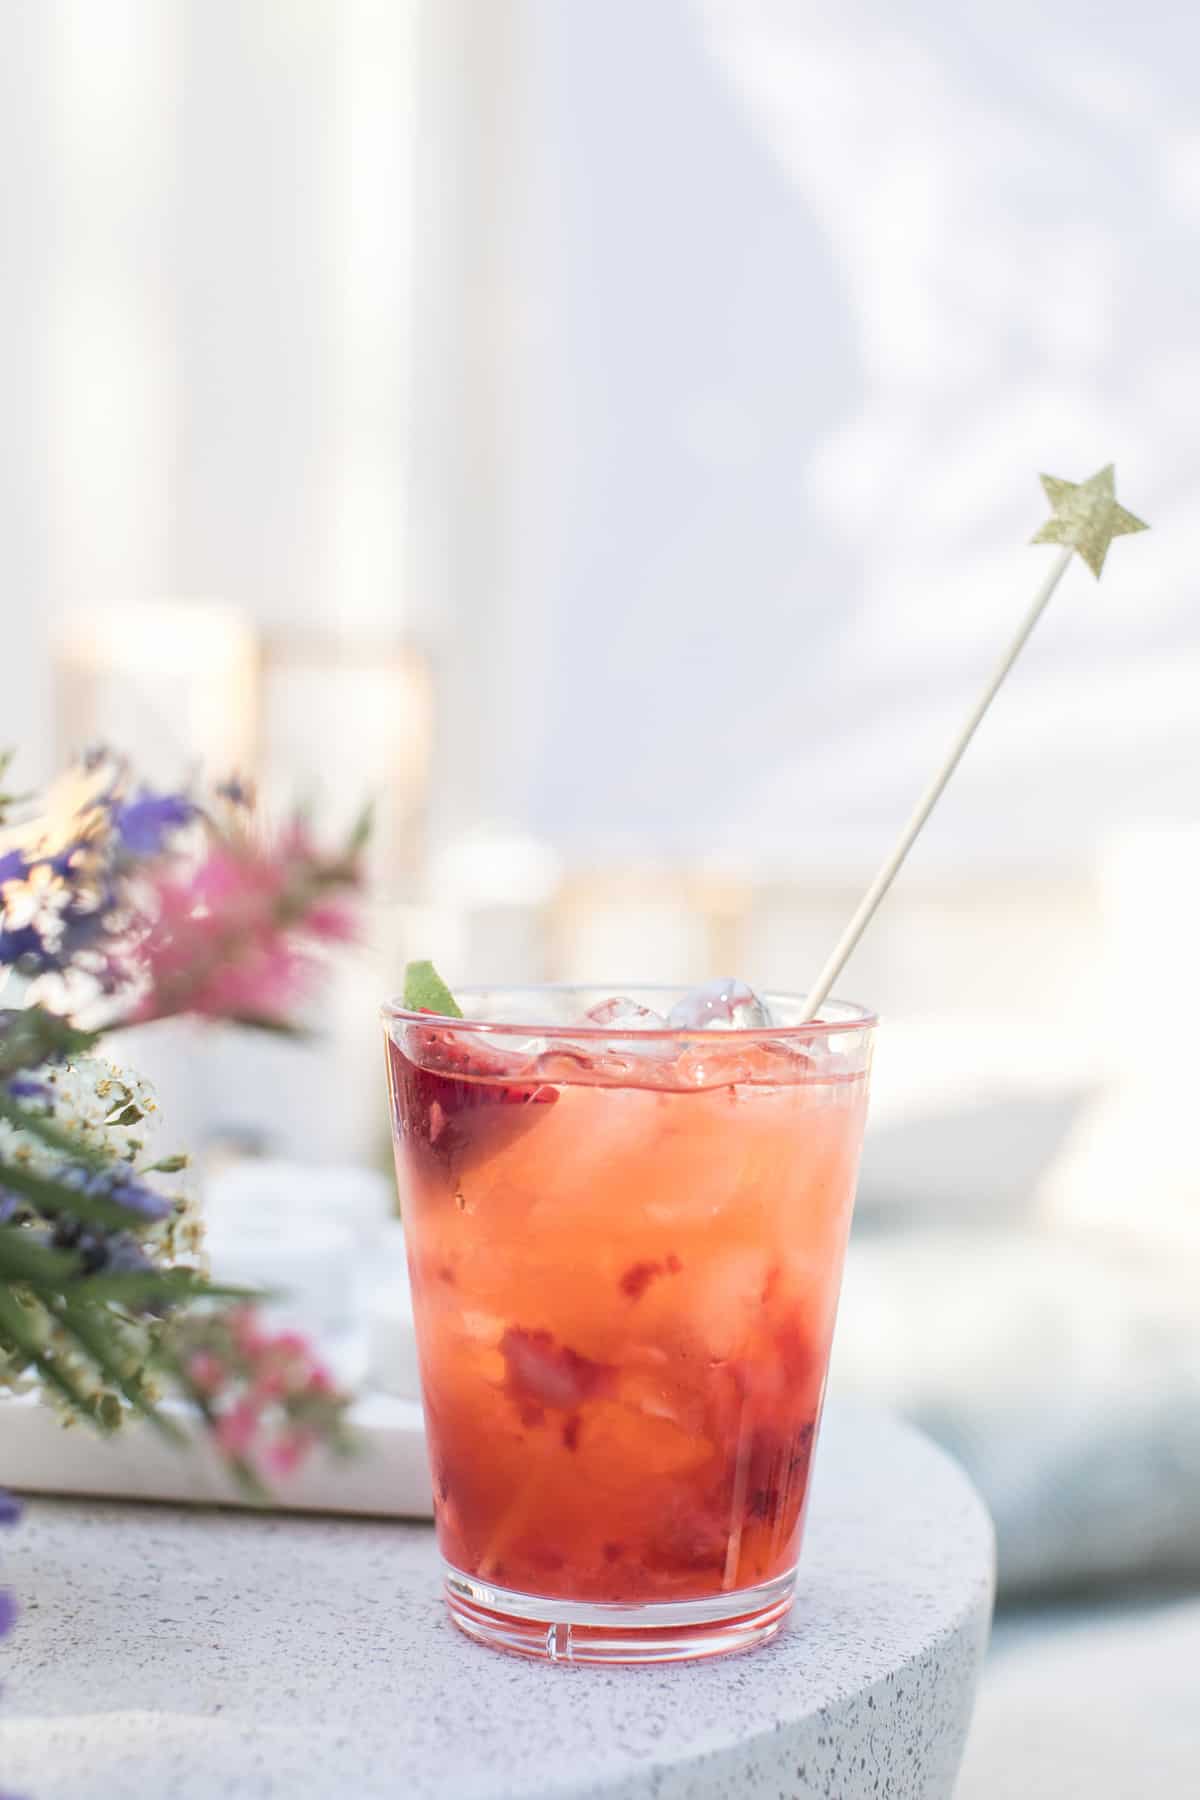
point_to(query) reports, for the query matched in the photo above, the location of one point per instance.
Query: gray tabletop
(168, 1654)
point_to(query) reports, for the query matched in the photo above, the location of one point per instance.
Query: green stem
(97, 1342)
(14, 1325)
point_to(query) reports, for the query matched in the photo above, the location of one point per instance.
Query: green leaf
(30, 1036)
(144, 1286)
(360, 832)
(23, 1259)
(167, 1165)
(273, 1027)
(7, 799)
(129, 1115)
(25, 1262)
(108, 1411)
(425, 991)
(15, 1326)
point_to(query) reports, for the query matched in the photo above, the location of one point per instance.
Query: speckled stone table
(166, 1654)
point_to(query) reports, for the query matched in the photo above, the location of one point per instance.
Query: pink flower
(296, 842)
(275, 1376)
(268, 1384)
(249, 1338)
(207, 1372)
(279, 1401)
(237, 1429)
(332, 922)
(227, 881)
(233, 938)
(285, 1454)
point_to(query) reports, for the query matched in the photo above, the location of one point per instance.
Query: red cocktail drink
(625, 1252)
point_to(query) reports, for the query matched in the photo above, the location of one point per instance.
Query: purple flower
(126, 1256)
(13, 866)
(22, 941)
(21, 1087)
(143, 825)
(120, 1185)
(10, 1512)
(119, 1254)
(127, 1189)
(82, 923)
(61, 862)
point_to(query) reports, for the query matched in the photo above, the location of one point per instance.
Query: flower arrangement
(120, 905)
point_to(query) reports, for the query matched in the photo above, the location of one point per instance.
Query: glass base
(573, 1631)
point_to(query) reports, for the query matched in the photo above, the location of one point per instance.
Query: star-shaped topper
(1086, 516)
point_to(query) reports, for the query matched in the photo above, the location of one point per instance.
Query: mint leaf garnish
(425, 991)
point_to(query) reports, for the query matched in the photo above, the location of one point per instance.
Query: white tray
(389, 1476)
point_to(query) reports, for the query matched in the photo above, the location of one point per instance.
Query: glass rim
(858, 1017)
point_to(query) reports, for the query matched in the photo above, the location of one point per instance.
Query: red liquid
(624, 1299)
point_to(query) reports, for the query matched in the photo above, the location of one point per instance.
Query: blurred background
(608, 435)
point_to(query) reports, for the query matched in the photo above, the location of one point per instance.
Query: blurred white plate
(389, 1476)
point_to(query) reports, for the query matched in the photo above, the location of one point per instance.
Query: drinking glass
(625, 1248)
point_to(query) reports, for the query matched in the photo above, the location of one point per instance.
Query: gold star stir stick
(1086, 516)
(1086, 519)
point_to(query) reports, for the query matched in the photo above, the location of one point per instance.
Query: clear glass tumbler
(626, 1250)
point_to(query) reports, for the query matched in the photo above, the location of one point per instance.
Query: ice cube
(623, 1014)
(724, 1005)
(623, 1019)
(725, 1300)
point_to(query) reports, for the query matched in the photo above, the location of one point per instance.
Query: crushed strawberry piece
(438, 1103)
(690, 1538)
(541, 1372)
(639, 1275)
